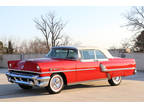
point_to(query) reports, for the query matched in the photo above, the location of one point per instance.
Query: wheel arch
(63, 76)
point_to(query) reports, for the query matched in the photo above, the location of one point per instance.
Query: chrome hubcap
(56, 83)
(116, 80)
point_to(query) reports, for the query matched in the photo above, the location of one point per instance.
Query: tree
(38, 46)
(51, 28)
(135, 22)
(127, 43)
(66, 40)
(10, 47)
(135, 18)
(35, 46)
(139, 43)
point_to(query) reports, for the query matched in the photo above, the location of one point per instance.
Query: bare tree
(35, 46)
(66, 40)
(51, 28)
(135, 18)
(135, 22)
(126, 43)
(38, 46)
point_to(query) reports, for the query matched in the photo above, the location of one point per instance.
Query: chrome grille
(23, 73)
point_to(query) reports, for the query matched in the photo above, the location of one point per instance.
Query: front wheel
(115, 81)
(56, 84)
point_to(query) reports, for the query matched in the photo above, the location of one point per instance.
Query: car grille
(23, 73)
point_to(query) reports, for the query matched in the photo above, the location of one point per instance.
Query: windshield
(63, 53)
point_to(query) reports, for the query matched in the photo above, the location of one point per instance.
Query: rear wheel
(115, 81)
(25, 86)
(56, 84)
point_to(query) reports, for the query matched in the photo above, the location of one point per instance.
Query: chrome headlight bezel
(10, 65)
(37, 67)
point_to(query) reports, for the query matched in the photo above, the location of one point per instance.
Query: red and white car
(69, 65)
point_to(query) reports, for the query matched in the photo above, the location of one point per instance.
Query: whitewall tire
(56, 84)
(115, 81)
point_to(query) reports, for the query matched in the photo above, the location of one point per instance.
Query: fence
(139, 57)
(5, 58)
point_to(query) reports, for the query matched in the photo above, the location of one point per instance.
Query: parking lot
(131, 89)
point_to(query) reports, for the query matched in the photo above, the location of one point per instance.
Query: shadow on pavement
(13, 91)
(83, 86)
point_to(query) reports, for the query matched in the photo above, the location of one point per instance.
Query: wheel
(56, 84)
(115, 81)
(25, 86)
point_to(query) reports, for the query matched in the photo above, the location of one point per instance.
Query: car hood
(31, 64)
(44, 64)
(41, 60)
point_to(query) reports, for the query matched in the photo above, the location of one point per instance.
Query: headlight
(10, 65)
(22, 66)
(38, 68)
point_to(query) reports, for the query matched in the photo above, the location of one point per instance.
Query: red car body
(72, 70)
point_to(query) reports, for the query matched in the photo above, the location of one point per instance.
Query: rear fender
(115, 68)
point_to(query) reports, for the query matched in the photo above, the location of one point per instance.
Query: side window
(72, 54)
(100, 55)
(87, 54)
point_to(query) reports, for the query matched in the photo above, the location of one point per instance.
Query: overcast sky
(91, 25)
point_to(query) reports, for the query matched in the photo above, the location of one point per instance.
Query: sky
(99, 26)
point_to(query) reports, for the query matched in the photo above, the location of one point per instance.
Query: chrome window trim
(102, 59)
(86, 60)
(92, 60)
(101, 52)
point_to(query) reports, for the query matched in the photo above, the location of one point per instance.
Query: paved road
(131, 89)
(3, 70)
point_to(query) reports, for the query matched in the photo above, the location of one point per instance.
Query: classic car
(69, 65)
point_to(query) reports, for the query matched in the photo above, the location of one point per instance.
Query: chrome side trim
(53, 71)
(69, 70)
(104, 69)
(119, 69)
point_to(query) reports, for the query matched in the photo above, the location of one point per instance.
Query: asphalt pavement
(3, 70)
(131, 89)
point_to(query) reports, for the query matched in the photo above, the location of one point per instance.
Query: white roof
(105, 51)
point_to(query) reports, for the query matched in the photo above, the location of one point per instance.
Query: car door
(87, 68)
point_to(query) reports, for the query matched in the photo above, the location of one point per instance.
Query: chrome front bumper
(28, 80)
